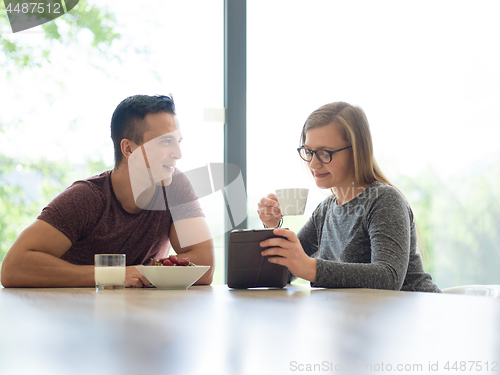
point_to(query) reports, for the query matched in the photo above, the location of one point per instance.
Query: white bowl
(172, 277)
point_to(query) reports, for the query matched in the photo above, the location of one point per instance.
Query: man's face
(160, 146)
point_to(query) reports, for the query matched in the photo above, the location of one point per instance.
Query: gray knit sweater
(368, 242)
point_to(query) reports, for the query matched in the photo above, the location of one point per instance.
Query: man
(136, 209)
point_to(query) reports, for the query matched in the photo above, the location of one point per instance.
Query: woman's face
(339, 173)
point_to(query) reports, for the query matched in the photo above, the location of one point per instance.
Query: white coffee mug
(292, 201)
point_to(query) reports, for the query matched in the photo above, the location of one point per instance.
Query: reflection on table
(217, 330)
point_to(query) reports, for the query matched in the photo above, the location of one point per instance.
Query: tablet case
(246, 267)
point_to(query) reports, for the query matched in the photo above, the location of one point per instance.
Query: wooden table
(216, 330)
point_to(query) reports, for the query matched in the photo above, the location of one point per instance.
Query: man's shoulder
(95, 187)
(179, 178)
(100, 181)
(181, 187)
(74, 210)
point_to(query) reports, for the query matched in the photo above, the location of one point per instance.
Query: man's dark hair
(128, 121)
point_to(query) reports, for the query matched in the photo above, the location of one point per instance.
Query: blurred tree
(459, 219)
(468, 237)
(18, 208)
(17, 55)
(420, 194)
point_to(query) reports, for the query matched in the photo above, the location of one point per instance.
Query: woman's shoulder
(382, 192)
(386, 200)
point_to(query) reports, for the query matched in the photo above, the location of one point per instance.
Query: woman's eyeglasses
(324, 156)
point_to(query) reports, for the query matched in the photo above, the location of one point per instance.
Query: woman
(363, 236)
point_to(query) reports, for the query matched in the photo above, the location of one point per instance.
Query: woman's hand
(269, 211)
(292, 254)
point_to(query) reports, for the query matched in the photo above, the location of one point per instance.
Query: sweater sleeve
(308, 237)
(388, 223)
(310, 234)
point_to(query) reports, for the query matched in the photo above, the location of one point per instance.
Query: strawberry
(183, 261)
(173, 259)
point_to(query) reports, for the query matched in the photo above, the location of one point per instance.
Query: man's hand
(135, 279)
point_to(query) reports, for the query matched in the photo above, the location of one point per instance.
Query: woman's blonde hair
(353, 124)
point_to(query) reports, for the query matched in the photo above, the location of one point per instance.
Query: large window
(426, 74)
(61, 111)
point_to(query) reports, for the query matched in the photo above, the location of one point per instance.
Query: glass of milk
(109, 271)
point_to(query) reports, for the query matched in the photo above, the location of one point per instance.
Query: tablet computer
(246, 267)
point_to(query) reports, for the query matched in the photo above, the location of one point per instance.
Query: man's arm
(191, 238)
(34, 261)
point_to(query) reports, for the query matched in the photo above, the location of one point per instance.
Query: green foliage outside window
(18, 208)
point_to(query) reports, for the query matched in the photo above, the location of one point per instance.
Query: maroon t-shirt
(95, 222)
